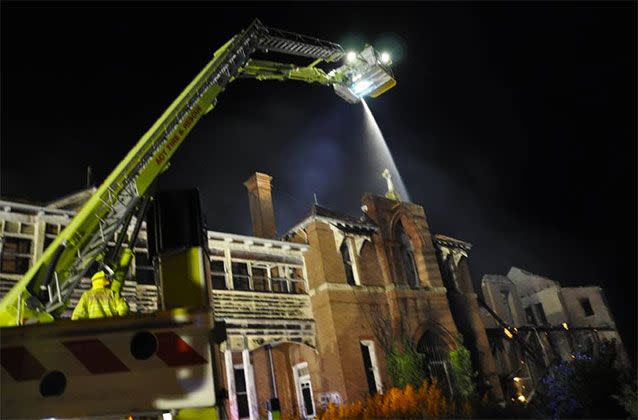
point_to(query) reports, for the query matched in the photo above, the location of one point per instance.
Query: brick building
(311, 315)
(374, 280)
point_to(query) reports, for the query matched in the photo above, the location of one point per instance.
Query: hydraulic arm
(45, 289)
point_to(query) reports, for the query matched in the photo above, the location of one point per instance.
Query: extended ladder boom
(45, 289)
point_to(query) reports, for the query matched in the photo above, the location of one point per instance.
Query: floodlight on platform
(365, 74)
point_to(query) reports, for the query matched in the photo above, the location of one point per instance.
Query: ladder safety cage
(281, 41)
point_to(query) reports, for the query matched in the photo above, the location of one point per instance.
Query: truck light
(385, 57)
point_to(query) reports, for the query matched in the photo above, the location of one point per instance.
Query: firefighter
(100, 301)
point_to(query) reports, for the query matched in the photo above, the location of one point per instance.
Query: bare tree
(387, 331)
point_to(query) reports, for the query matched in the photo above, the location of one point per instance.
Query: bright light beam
(361, 86)
(382, 152)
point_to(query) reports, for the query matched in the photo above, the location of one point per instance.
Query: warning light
(508, 333)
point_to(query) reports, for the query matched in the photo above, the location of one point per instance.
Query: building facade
(26, 230)
(373, 281)
(553, 324)
(310, 316)
(260, 291)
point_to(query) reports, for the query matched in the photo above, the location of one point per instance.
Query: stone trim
(333, 222)
(374, 289)
(256, 242)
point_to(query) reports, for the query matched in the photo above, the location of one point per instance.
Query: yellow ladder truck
(146, 363)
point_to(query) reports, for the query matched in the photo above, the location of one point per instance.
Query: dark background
(513, 124)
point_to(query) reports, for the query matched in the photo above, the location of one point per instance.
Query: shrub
(583, 387)
(426, 402)
(464, 374)
(405, 365)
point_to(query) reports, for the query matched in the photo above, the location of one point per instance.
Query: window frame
(16, 257)
(240, 368)
(344, 250)
(289, 278)
(408, 261)
(585, 304)
(540, 311)
(374, 365)
(299, 380)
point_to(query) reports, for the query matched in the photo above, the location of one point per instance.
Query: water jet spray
(381, 153)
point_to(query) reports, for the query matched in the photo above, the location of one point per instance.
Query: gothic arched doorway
(437, 360)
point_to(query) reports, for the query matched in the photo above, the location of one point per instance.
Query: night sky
(513, 124)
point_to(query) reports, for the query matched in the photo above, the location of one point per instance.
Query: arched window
(437, 360)
(446, 270)
(347, 262)
(406, 252)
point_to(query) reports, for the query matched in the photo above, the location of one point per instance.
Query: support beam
(271, 366)
(249, 377)
(230, 384)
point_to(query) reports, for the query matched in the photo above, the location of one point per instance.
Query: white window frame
(240, 366)
(375, 364)
(353, 259)
(298, 381)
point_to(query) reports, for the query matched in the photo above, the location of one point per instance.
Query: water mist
(380, 152)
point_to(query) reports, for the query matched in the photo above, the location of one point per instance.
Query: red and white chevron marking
(101, 371)
(96, 357)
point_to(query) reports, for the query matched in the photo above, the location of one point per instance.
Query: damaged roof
(453, 242)
(342, 221)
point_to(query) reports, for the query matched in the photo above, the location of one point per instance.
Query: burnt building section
(453, 257)
(26, 230)
(260, 291)
(551, 324)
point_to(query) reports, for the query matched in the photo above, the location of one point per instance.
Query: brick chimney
(261, 210)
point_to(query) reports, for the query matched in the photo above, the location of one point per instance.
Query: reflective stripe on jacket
(100, 303)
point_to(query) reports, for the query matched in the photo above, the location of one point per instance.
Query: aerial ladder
(44, 292)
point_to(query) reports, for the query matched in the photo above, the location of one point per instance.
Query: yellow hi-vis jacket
(100, 302)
